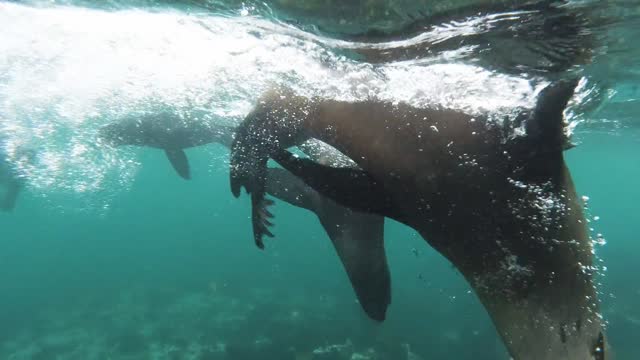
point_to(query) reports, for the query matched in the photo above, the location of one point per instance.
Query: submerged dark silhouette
(352, 234)
(164, 131)
(10, 178)
(501, 207)
(12, 185)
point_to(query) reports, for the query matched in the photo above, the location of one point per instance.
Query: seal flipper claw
(259, 215)
(264, 212)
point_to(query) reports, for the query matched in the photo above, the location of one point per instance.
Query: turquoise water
(110, 255)
(89, 280)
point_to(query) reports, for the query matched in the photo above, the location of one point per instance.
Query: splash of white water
(65, 71)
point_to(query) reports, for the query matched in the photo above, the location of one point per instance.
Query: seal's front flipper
(250, 172)
(353, 188)
(179, 161)
(359, 241)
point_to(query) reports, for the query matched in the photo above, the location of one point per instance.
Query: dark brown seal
(502, 208)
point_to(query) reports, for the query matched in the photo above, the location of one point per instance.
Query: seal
(501, 207)
(358, 238)
(164, 131)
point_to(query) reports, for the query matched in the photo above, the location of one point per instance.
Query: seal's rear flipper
(179, 161)
(359, 242)
(546, 127)
(358, 239)
(353, 188)
(360, 246)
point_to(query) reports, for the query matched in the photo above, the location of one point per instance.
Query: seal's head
(127, 132)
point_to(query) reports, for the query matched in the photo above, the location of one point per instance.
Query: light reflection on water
(66, 71)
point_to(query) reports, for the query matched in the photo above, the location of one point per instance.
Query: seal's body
(501, 208)
(162, 131)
